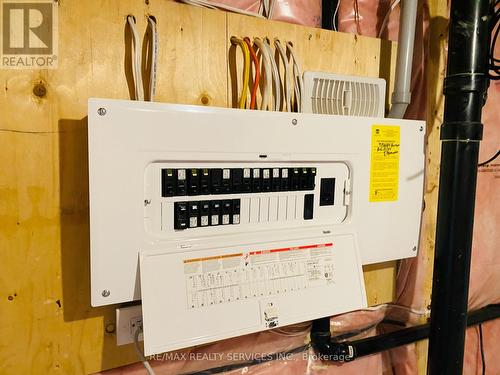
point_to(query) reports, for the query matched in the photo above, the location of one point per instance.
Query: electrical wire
(393, 6)
(335, 16)
(287, 101)
(297, 76)
(153, 37)
(246, 70)
(489, 160)
(494, 63)
(139, 351)
(256, 66)
(136, 60)
(266, 74)
(481, 346)
(276, 75)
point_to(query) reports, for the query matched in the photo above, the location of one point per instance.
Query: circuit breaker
(247, 219)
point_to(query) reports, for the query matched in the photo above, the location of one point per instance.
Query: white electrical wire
(287, 102)
(335, 15)
(136, 59)
(140, 354)
(276, 76)
(386, 18)
(266, 74)
(401, 307)
(297, 76)
(213, 5)
(153, 35)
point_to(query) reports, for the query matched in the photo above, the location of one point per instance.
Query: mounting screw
(294, 121)
(414, 248)
(106, 293)
(101, 111)
(110, 327)
(421, 128)
(147, 201)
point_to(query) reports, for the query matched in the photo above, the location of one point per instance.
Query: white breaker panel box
(244, 219)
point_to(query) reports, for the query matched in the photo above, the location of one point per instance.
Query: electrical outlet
(127, 321)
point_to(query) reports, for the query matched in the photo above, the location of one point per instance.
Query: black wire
(489, 160)
(481, 344)
(493, 62)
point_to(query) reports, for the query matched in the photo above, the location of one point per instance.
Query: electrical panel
(251, 219)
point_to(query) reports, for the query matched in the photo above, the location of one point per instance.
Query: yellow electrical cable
(246, 70)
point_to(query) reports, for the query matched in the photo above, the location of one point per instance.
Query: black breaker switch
(168, 182)
(236, 211)
(303, 178)
(204, 181)
(308, 206)
(181, 215)
(247, 180)
(294, 176)
(193, 181)
(204, 213)
(276, 182)
(215, 211)
(311, 181)
(216, 181)
(237, 177)
(226, 212)
(181, 188)
(226, 181)
(327, 192)
(284, 179)
(256, 182)
(266, 179)
(194, 211)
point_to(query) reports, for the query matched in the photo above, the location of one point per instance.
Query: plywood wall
(49, 326)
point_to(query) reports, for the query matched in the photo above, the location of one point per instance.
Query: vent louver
(335, 94)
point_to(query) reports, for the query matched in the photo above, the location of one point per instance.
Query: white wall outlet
(127, 321)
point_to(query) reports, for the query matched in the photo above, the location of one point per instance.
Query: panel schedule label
(384, 163)
(243, 275)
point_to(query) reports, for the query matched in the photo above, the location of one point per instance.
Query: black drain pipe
(465, 92)
(465, 88)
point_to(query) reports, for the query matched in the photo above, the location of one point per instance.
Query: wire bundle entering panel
(269, 77)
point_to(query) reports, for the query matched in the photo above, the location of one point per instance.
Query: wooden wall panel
(44, 234)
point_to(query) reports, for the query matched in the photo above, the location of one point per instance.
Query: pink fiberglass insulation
(301, 12)
(485, 269)
(491, 338)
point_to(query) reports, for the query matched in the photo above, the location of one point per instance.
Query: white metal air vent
(336, 94)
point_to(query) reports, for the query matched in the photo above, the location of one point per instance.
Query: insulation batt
(301, 12)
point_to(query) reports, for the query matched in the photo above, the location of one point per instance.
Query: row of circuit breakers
(262, 220)
(203, 213)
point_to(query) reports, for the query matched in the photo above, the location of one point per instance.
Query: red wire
(256, 64)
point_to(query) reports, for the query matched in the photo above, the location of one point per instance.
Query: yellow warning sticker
(384, 165)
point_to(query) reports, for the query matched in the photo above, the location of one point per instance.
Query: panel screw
(106, 293)
(147, 201)
(414, 248)
(294, 121)
(101, 111)
(110, 327)
(421, 128)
